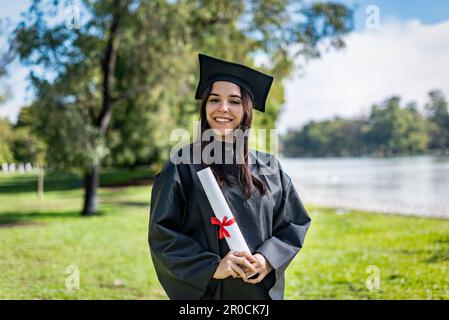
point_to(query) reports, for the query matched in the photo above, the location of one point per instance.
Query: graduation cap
(255, 82)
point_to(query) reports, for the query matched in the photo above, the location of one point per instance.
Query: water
(416, 185)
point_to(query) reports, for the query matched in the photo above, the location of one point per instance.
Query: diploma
(223, 215)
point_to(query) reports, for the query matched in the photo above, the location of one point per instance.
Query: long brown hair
(245, 179)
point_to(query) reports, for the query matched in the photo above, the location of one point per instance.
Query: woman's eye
(213, 100)
(235, 102)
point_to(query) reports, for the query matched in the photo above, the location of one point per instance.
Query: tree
(395, 130)
(28, 147)
(334, 137)
(106, 80)
(389, 129)
(438, 116)
(6, 141)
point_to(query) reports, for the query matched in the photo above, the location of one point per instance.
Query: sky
(16, 81)
(406, 53)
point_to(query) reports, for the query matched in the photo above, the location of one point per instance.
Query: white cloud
(404, 58)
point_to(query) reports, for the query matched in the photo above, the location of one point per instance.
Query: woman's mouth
(222, 120)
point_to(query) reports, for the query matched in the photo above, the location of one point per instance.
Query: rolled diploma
(221, 209)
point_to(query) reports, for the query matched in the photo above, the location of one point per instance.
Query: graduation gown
(185, 246)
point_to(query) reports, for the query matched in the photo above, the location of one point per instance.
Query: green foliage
(396, 130)
(20, 143)
(438, 116)
(389, 129)
(6, 141)
(155, 71)
(136, 136)
(28, 147)
(73, 142)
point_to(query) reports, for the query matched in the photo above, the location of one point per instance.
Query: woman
(190, 259)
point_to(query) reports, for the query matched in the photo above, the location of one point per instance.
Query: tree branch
(128, 93)
(109, 65)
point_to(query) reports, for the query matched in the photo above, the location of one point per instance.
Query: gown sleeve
(290, 225)
(184, 268)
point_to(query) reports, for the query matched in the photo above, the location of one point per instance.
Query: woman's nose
(224, 106)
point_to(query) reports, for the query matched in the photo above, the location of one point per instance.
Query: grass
(42, 242)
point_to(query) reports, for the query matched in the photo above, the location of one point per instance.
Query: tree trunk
(108, 68)
(40, 182)
(90, 186)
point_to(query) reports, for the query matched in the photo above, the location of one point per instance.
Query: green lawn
(41, 239)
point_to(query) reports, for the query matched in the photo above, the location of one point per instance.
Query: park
(96, 95)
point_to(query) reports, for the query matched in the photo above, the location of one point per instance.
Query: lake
(417, 185)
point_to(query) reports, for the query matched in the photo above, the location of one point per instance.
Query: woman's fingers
(258, 268)
(248, 258)
(257, 280)
(240, 264)
(239, 271)
(233, 273)
(243, 263)
(247, 255)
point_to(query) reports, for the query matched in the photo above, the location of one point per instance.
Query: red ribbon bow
(223, 224)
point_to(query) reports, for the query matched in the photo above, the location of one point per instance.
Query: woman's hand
(234, 264)
(262, 266)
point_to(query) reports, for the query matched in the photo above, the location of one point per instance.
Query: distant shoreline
(342, 209)
(368, 156)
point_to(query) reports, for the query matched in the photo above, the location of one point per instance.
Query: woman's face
(224, 108)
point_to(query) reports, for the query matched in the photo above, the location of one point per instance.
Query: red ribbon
(225, 223)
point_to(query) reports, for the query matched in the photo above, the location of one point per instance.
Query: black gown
(185, 246)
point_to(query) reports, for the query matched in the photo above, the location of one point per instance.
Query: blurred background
(90, 92)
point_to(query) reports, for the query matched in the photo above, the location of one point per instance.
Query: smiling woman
(227, 106)
(190, 259)
(224, 107)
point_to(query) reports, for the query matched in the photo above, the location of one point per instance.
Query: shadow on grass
(436, 255)
(63, 181)
(443, 241)
(442, 253)
(143, 204)
(439, 256)
(17, 219)
(52, 182)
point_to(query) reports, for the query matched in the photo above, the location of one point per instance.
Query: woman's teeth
(222, 120)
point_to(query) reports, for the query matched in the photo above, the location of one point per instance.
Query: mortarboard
(255, 82)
